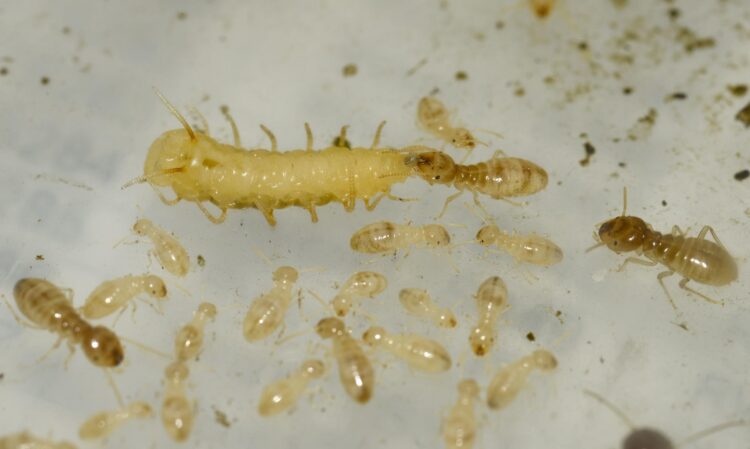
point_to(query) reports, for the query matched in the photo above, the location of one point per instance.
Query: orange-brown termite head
(623, 233)
(102, 347)
(433, 167)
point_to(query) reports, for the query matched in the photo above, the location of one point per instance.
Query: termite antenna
(611, 407)
(176, 113)
(710, 431)
(111, 382)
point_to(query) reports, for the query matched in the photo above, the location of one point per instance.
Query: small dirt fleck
(349, 70)
(664, 203)
(499, 25)
(643, 126)
(2, 376)
(676, 96)
(627, 90)
(742, 175)
(674, 13)
(530, 336)
(44, 80)
(3, 71)
(221, 418)
(39, 257)
(738, 90)
(461, 75)
(66, 30)
(622, 164)
(201, 261)
(590, 151)
(691, 42)
(583, 46)
(519, 92)
(744, 115)
(182, 15)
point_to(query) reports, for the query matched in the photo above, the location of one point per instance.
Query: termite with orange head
(267, 312)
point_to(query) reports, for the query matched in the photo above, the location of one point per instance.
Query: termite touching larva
(189, 340)
(694, 258)
(491, 300)
(363, 284)
(171, 255)
(47, 306)
(419, 352)
(649, 438)
(267, 312)
(384, 236)
(529, 248)
(114, 294)
(177, 414)
(104, 423)
(433, 116)
(418, 302)
(509, 381)
(283, 394)
(355, 369)
(460, 426)
(25, 440)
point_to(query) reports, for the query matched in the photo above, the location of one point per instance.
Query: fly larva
(649, 438)
(47, 306)
(189, 340)
(492, 299)
(418, 302)
(433, 116)
(419, 352)
(25, 440)
(499, 177)
(694, 258)
(355, 370)
(283, 394)
(116, 293)
(509, 381)
(171, 255)
(385, 236)
(460, 426)
(360, 285)
(102, 424)
(267, 312)
(177, 413)
(200, 169)
(530, 248)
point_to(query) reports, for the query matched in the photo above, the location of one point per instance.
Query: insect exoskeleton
(509, 381)
(171, 255)
(200, 169)
(283, 394)
(385, 236)
(355, 370)
(114, 294)
(530, 248)
(47, 306)
(102, 424)
(419, 352)
(694, 258)
(460, 426)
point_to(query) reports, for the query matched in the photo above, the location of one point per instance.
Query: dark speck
(499, 25)
(627, 90)
(673, 13)
(44, 80)
(182, 15)
(664, 203)
(530, 336)
(583, 46)
(461, 75)
(742, 175)
(677, 96)
(3, 71)
(744, 115)
(622, 164)
(39, 257)
(738, 90)
(590, 150)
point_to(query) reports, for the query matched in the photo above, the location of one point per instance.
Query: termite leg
(677, 231)
(661, 277)
(49, 351)
(376, 139)
(448, 201)
(512, 203)
(164, 199)
(500, 152)
(313, 213)
(647, 263)
(235, 131)
(215, 220)
(18, 319)
(308, 132)
(71, 352)
(342, 135)
(271, 137)
(683, 285)
(702, 236)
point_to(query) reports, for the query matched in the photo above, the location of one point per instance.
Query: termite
(102, 424)
(177, 412)
(116, 293)
(385, 236)
(189, 340)
(267, 312)
(509, 381)
(529, 248)
(25, 440)
(433, 116)
(47, 306)
(418, 302)
(359, 285)
(694, 258)
(171, 255)
(650, 438)
(283, 394)
(499, 177)
(460, 426)
(419, 352)
(492, 300)
(355, 370)
(200, 169)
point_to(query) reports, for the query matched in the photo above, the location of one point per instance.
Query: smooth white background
(279, 63)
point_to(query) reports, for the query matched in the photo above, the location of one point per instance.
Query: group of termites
(201, 170)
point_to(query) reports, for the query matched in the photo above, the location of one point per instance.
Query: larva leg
(376, 139)
(448, 201)
(235, 131)
(342, 135)
(267, 214)
(164, 199)
(309, 134)
(702, 236)
(644, 262)
(660, 277)
(683, 285)
(313, 213)
(271, 137)
(677, 231)
(215, 220)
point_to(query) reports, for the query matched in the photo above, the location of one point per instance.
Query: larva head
(488, 235)
(169, 155)
(330, 327)
(155, 286)
(436, 236)
(102, 347)
(623, 233)
(433, 167)
(374, 335)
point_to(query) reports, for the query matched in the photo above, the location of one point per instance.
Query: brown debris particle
(738, 90)
(182, 15)
(676, 96)
(39, 257)
(691, 42)
(642, 128)
(3, 71)
(744, 115)
(349, 70)
(44, 80)
(742, 175)
(221, 418)
(530, 336)
(664, 203)
(590, 151)
(201, 261)
(673, 13)
(461, 75)
(627, 90)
